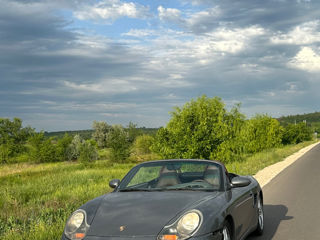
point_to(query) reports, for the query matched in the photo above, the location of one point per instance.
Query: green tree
(62, 147)
(232, 148)
(47, 151)
(101, 131)
(12, 138)
(74, 148)
(119, 143)
(296, 133)
(142, 144)
(261, 132)
(42, 149)
(88, 152)
(198, 130)
(6, 151)
(35, 142)
(133, 132)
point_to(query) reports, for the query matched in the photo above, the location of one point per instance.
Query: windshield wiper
(165, 189)
(189, 189)
(135, 190)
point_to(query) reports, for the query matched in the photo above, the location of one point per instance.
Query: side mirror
(114, 183)
(240, 182)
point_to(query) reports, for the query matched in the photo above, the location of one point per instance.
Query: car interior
(169, 176)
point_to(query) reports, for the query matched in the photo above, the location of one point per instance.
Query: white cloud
(84, 87)
(112, 86)
(306, 33)
(202, 21)
(253, 68)
(303, 1)
(233, 40)
(176, 53)
(48, 102)
(200, 2)
(112, 10)
(140, 33)
(170, 15)
(306, 60)
(88, 107)
(293, 88)
(96, 107)
(169, 96)
(92, 41)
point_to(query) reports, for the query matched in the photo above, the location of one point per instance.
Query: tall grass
(37, 199)
(255, 162)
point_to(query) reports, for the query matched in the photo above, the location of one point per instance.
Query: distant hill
(87, 134)
(311, 119)
(308, 117)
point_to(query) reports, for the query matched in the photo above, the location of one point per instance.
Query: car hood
(142, 213)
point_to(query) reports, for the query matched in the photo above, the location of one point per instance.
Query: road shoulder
(265, 175)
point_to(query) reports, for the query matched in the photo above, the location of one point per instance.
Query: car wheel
(260, 225)
(226, 231)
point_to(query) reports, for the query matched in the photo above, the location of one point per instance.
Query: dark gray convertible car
(172, 200)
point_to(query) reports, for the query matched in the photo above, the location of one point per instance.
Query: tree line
(202, 128)
(311, 119)
(24, 144)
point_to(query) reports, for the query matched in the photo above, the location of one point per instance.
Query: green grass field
(253, 163)
(36, 199)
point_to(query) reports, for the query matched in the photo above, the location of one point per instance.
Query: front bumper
(215, 236)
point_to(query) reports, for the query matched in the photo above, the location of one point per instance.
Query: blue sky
(66, 63)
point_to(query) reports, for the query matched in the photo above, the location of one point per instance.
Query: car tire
(260, 225)
(226, 231)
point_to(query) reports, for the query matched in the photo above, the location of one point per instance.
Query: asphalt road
(292, 201)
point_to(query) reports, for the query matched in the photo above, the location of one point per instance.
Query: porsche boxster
(172, 200)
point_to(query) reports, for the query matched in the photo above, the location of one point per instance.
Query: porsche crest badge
(122, 228)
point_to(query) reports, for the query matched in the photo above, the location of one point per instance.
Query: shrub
(88, 152)
(296, 133)
(198, 129)
(6, 150)
(73, 150)
(118, 143)
(261, 132)
(62, 147)
(12, 138)
(101, 131)
(133, 132)
(142, 144)
(41, 149)
(47, 151)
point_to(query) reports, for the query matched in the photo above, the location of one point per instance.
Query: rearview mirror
(114, 183)
(240, 182)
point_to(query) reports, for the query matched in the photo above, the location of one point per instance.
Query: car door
(243, 210)
(242, 207)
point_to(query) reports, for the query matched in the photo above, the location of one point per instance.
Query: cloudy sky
(65, 63)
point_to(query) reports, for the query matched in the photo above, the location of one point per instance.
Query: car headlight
(77, 227)
(186, 226)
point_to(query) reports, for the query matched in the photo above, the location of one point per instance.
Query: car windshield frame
(124, 185)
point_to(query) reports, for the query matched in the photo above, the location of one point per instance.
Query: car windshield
(173, 176)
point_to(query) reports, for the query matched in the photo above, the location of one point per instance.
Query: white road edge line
(265, 175)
